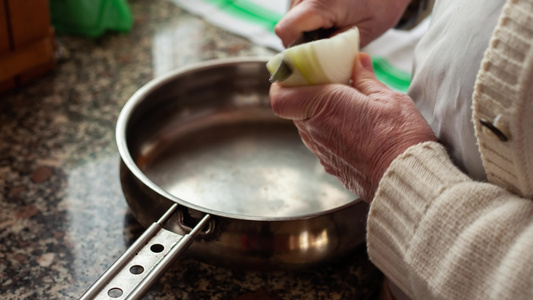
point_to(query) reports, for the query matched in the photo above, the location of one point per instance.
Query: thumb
(302, 17)
(363, 76)
(295, 103)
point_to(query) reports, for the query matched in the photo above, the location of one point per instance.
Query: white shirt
(446, 63)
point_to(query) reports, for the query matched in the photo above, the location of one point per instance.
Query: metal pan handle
(132, 275)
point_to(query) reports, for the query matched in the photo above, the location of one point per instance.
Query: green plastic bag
(90, 17)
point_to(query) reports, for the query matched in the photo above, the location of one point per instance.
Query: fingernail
(366, 61)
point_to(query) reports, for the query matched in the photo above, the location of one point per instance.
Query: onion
(323, 61)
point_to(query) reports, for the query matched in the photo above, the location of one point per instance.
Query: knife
(283, 71)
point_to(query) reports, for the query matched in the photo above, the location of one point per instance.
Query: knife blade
(283, 71)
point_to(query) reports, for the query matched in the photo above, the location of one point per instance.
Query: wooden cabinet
(26, 41)
(5, 45)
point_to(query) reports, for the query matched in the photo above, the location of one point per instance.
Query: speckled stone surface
(63, 217)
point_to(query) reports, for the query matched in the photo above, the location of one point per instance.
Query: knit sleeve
(439, 235)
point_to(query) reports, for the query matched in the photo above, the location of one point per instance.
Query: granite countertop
(63, 217)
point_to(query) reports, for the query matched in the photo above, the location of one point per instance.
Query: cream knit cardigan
(436, 233)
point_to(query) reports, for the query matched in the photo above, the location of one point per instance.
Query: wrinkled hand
(372, 17)
(356, 131)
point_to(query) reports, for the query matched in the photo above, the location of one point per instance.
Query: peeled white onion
(323, 61)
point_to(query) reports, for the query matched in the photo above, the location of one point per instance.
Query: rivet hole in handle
(132, 275)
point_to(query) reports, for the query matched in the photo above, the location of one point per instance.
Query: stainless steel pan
(209, 169)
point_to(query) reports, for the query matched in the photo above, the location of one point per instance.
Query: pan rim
(143, 92)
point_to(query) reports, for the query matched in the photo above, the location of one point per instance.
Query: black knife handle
(309, 36)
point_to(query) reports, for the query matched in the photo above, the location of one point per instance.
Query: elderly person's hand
(372, 17)
(356, 131)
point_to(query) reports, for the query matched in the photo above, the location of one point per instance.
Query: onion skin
(323, 61)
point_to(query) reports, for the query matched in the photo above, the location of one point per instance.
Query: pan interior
(221, 148)
(255, 168)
